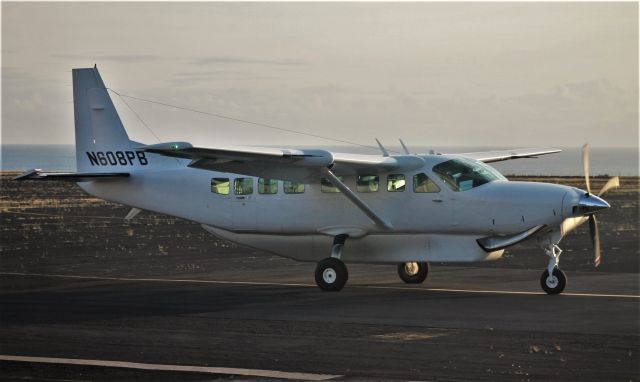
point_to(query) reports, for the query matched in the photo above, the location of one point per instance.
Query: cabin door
(243, 204)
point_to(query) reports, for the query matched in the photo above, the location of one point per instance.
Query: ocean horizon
(604, 161)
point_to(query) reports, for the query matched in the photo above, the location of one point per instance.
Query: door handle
(437, 200)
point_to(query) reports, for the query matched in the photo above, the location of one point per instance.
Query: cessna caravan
(328, 207)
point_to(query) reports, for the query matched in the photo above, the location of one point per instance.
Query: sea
(603, 161)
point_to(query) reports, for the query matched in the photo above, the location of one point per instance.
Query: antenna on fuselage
(404, 147)
(385, 153)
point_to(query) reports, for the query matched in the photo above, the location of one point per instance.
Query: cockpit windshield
(462, 174)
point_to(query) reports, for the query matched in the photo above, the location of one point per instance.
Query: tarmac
(464, 323)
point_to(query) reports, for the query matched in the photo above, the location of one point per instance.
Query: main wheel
(554, 284)
(413, 272)
(331, 274)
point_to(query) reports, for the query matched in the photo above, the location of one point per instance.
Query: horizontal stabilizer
(70, 176)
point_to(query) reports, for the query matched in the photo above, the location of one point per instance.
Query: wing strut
(355, 199)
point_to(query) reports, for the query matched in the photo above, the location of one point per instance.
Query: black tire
(416, 277)
(331, 274)
(558, 286)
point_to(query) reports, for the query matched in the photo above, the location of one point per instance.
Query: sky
(433, 74)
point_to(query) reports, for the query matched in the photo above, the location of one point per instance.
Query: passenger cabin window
(367, 183)
(292, 187)
(267, 186)
(328, 187)
(243, 186)
(220, 186)
(396, 183)
(461, 174)
(422, 184)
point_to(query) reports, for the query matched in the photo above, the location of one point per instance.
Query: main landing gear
(413, 272)
(553, 280)
(331, 273)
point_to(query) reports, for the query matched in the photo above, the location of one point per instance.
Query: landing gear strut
(331, 273)
(413, 272)
(553, 280)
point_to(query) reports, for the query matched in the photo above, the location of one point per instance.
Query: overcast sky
(435, 74)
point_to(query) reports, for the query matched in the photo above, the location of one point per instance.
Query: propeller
(593, 223)
(585, 166)
(595, 238)
(611, 183)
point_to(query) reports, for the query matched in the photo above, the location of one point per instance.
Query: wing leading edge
(502, 155)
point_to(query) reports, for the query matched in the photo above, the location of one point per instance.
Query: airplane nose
(589, 204)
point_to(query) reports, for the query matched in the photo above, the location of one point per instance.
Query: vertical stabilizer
(102, 143)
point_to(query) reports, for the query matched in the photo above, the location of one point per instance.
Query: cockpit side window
(422, 184)
(462, 174)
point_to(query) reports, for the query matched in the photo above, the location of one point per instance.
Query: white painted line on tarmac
(152, 279)
(507, 292)
(254, 283)
(184, 368)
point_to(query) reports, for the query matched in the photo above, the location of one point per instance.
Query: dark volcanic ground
(376, 328)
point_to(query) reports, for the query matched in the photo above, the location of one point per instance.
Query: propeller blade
(611, 183)
(585, 165)
(595, 238)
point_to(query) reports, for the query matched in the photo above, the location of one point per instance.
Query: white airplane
(326, 207)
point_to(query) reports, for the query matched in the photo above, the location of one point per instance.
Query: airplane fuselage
(441, 224)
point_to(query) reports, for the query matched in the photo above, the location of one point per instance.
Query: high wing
(284, 164)
(501, 155)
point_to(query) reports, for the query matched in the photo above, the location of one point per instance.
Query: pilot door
(436, 205)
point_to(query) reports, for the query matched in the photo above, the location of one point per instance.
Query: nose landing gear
(553, 280)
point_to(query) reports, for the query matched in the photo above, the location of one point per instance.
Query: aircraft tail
(102, 143)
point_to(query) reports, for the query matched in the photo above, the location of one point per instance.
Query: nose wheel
(555, 283)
